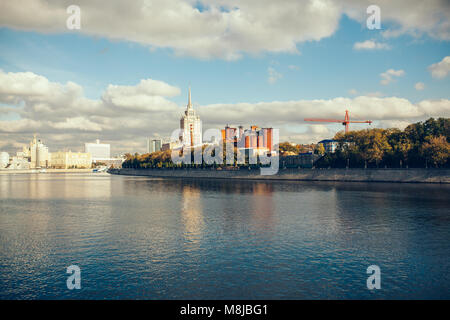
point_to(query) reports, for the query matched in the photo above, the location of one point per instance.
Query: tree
(286, 148)
(320, 149)
(436, 150)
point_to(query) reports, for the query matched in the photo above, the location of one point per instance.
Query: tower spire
(189, 99)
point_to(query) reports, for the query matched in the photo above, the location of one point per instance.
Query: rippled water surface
(137, 237)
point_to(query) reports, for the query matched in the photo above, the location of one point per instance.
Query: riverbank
(6, 171)
(294, 174)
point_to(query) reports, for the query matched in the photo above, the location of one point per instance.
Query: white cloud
(224, 28)
(354, 92)
(313, 133)
(293, 112)
(376, 94)
(412, 17)
(419, 86)
(390, 75)
(293, 67)
(125, 115)
(79, 123)
(441, 69)
(273, 75)
(370, 45)
(384, 111)
(319, 129)
(50, 108)
(148, 87)
(400, 124)
(148, 95)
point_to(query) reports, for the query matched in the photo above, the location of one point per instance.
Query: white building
(19, 163)
(36, 153)
(4, 159)
(191, 126)
(99, 151)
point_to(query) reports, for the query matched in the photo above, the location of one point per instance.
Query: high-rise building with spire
(37, 154)
(191, 126)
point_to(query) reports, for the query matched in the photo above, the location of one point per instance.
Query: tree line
(419, 145)
(163, 159)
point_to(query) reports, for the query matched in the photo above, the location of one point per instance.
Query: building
(69, 160)
(4, 159)
(99, 151)
(36, 153)
(154, 145)
(302, 160)
(329, 145)
(19, 163)
(191, 126)
(170, 146)
(256, 140)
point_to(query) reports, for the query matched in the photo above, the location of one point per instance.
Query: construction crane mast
(345, 122)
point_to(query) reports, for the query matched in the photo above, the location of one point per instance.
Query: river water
(144, 238)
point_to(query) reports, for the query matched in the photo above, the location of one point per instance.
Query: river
(148, 238)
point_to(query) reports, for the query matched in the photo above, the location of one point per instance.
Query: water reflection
(262, 207)
(191, 212)
(137, 237)
(60, 185)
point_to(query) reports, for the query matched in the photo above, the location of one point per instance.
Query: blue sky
(325, 67)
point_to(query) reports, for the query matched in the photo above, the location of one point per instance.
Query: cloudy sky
(124, 75)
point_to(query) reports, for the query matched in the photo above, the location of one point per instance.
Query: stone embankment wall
(355, 175)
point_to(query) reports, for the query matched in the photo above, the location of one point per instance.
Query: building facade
(4, 159)
(257, 140)
(99, 151)
(70, 160)
(329, 145)
(154, 145)
(36, 153)
(191, 126)
(19, 163)
(170, 146)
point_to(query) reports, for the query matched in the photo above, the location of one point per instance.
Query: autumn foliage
(422, 144)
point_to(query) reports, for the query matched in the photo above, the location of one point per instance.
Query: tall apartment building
(154, 145)
(253, 138)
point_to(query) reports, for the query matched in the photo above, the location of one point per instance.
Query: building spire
(189, 99)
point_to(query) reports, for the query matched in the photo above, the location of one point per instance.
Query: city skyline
(87, 84)
(310, 162)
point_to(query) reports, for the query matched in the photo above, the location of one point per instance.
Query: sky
(124, 75)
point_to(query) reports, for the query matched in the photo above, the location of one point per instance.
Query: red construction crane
(345, 122)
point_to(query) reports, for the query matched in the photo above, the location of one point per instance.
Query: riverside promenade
(295, 174)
